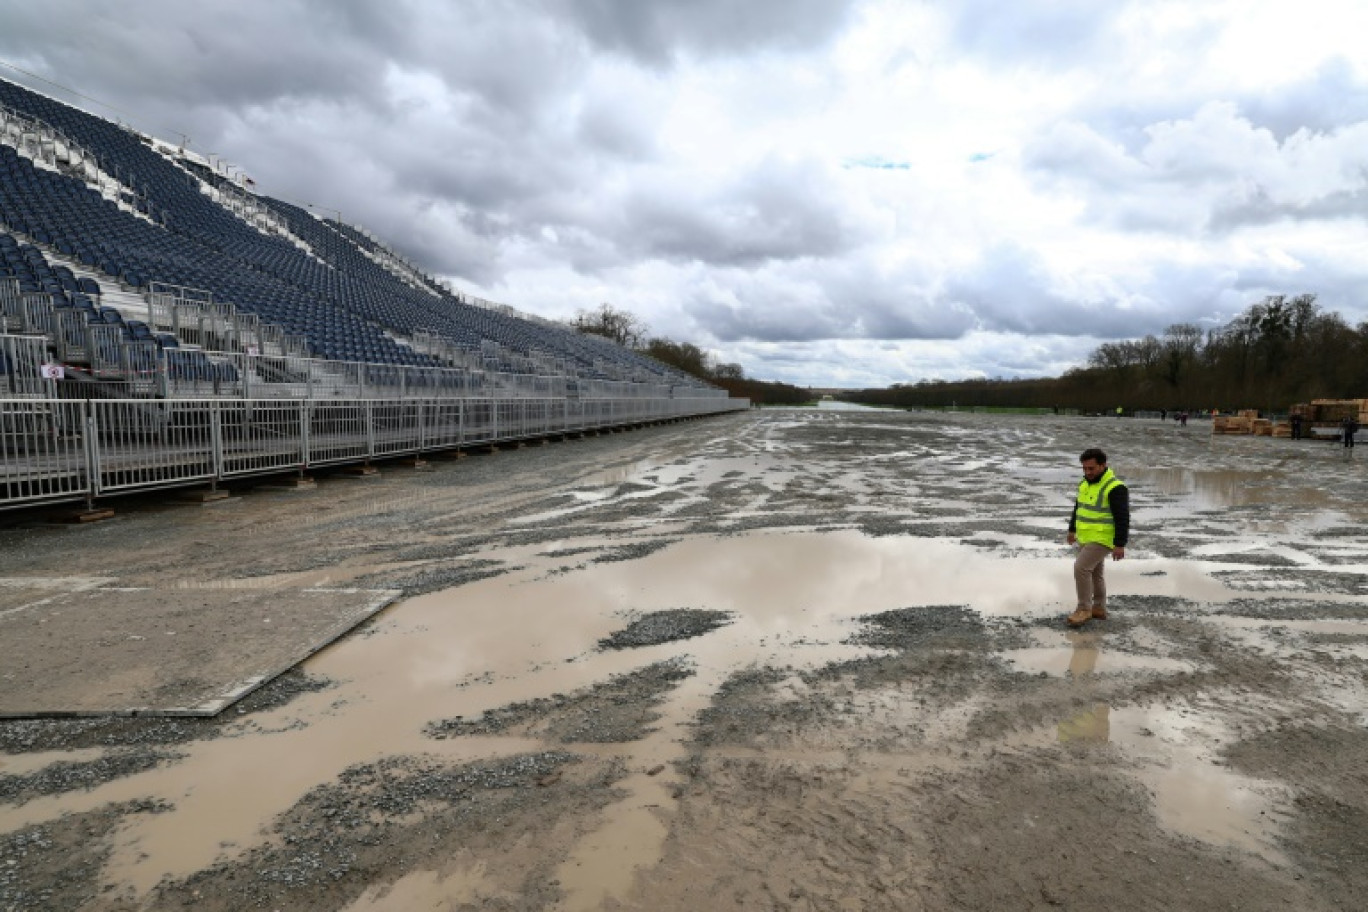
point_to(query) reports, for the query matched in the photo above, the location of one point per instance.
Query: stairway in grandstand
(180, 268)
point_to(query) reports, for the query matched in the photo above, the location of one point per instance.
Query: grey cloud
(893, 305)
(236, 54)
(657, 31)
(1011, 291)
(1329, 98)
(606, 125)
(778, 210)
(786, 321)
(1211, 172)
(805, 302)
(1259, 208)
(1076, 151)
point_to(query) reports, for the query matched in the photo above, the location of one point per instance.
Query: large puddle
(794, 599)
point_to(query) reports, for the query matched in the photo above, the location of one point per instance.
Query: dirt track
(790, 660)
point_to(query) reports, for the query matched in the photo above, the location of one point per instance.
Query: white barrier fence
(56, 450)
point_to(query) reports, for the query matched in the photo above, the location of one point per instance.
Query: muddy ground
(800, 660)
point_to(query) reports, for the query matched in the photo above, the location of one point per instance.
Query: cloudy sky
(845, 194)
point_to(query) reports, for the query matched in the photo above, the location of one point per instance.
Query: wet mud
(791, 660)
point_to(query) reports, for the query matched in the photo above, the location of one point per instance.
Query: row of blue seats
(345, 306)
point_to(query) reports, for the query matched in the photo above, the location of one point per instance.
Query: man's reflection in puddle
(1086, 648)
(1092, 724)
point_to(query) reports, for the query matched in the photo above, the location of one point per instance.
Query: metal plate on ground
(81, 651)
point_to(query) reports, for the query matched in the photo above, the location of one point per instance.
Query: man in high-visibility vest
(1100, 526)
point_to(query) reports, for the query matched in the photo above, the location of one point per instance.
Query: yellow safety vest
(1093, 523)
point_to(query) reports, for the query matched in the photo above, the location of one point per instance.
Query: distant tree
(621, 326)
(1280, 350)
(728, 371)
(684, 355)
(1180, 346)
(627, 330)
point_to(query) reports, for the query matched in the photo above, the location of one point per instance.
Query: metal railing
(22, 363)
(58, 450)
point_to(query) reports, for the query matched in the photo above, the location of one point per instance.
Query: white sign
(253, 351)
(53, 372)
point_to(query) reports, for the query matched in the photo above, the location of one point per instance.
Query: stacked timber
(1333, 411)
(1235, 424)
(1282, 429)
(1261, 427)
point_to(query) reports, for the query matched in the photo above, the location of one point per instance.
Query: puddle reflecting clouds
(794, 598)
(1174, 756)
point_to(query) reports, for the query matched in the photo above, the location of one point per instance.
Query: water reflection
(1090, 725)
(1211, 489)
(1083, 658)
(836, 405)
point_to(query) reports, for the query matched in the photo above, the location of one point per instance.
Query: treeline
(628, 330)
(1279, 351)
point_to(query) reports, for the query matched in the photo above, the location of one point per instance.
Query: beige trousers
(1088, 580)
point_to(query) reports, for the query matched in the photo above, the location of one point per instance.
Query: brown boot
(1080, 617)
(1099, 613)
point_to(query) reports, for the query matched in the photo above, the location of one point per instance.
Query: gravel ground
(669, 626)
(869, 702)
(616, 710)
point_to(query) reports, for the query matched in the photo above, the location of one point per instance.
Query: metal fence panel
(507, 419)
(21, 368)
(573, 411)
(11, 312)
(442, 424)
(338, 432)
(260, 436)
(153, 443)
(479, 421)
(42, 451)
(396, 427)
(536, 422)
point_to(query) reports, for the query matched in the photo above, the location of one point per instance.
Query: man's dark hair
(1095, 455)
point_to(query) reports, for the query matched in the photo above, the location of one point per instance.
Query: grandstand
(162, 324)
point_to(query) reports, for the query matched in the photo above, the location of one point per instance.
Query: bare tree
(622, 326)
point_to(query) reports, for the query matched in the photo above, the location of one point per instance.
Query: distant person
(1119, 411)
(1296, 422)
(1351, 427)
(1163, 414)
(1100, 526)
(1182, 419)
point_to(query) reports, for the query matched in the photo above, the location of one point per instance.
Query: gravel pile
(331, 844)
(923, 627)
(633, 551)
(56, 865)
(666, 626)
(60, 777)
(618, 710)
